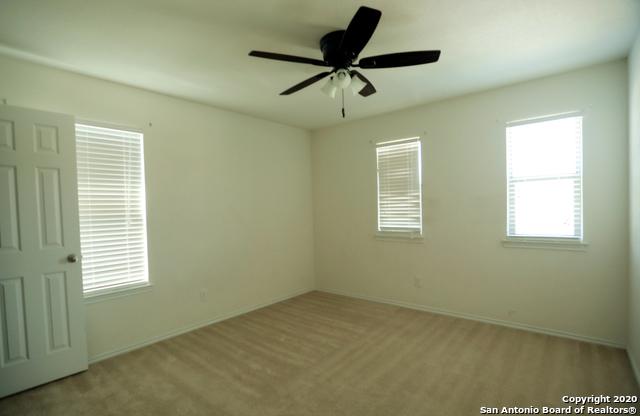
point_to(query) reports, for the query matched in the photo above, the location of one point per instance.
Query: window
(399, 187)
(111, 196)
(544, 178)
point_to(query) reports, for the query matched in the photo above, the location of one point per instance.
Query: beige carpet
(323, 354)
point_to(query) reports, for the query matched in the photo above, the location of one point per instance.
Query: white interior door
(41, 308)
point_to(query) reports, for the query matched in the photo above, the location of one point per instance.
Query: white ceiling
(197, 49)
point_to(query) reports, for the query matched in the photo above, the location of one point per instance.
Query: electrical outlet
(511, 313)
(203, 295)
(417, 282)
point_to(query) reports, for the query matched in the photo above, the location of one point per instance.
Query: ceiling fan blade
(359, 31)
(287, 58)
(306, 83)
(393, 60)
(368, 89)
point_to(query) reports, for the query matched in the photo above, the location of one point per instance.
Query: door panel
(6, 135)
(48, 194)
(12, 313)
(56, 311)
(41, 306)
(45, 138)
(9, 228)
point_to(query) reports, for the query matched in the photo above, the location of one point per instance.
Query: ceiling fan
(340, 50)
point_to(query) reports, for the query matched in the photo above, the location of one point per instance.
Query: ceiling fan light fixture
(329, 88)
(342, 79)
(357, 84)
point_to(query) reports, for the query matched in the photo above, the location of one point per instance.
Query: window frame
(133, 287)
(572, 243)
(399, 235)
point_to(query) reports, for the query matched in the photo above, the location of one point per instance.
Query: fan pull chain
(342, 90)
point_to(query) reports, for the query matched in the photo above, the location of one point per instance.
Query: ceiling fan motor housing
(330, 47)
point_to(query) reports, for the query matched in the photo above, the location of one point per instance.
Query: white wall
(228, 197)
(634, 191)
(230, 211)
(462, 265)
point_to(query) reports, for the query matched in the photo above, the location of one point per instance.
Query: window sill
(400, 236)
(541, 243)
(119, 292)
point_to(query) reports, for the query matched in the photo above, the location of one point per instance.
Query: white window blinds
(399, 186)
(111, 196)
(544, 178)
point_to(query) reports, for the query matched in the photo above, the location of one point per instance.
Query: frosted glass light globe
(342, 79)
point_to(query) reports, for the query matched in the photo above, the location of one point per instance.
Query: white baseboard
(515, 325)
(108, 354)
(634, 367)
